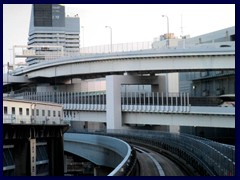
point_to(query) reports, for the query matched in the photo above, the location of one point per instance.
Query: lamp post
(110, 36)
(82, 36)
(168, 47)
(167, 29)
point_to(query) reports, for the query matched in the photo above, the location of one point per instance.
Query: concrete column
(22, 158)
(114, 113)
(56, 156)
(33, 153)
(113, 95)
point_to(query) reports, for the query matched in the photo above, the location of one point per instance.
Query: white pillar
(114, 113)
(113, 95)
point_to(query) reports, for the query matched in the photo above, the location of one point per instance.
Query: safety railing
(207, 157)
(155, 102)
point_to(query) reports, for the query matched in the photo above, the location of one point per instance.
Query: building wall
(13, 108)
(21, 111)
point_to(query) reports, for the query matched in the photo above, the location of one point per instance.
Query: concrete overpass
(141, 62)
(10, 79)
(138, 109)
(102, 150)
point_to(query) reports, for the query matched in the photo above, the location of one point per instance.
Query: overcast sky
(129, 22)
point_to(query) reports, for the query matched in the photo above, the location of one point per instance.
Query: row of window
(27, 112)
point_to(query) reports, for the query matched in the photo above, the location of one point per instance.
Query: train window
(49, 113)
(37, 112)
(13, 110)
(43, 112)
(20, 111)
(5, 110)
(54, 113)
(27, 111)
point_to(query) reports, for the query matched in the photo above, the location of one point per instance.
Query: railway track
(177, 154)
(152, 163)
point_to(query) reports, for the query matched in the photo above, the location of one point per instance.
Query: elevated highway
(134, 64)
(139, 108)
(101, 150)
(141, 62)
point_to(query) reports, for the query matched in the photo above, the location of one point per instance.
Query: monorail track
(152, 163)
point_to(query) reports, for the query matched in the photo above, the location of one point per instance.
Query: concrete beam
(179, 120)
(134, 64)
(102, 150)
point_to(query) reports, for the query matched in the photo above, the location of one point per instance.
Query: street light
(168, 47)
(110, 36)
(82, 36)
(167, 29)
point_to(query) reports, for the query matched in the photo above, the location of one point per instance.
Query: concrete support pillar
(33, 154)
(22, 158)
(56, 156)
(114, 113)
(113, 91)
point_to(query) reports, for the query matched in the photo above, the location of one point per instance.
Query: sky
(129, 22)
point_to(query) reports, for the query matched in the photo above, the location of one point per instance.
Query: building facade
(51, 34)
(18, 111)
(209, 82)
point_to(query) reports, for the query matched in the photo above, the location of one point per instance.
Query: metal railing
(24, 119)
(155, 102)
(121, 47)
(206, 156)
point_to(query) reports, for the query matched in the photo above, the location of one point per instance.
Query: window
(27, 111)
(54, 113)
(59, 114)
(37, 112)
(5, 110)
(13, 110)
(43, 112)
(20, 111)
(32, 112)
(49, 113)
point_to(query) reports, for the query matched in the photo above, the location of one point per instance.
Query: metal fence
(121, 47)
(130, 98)
(206, 156)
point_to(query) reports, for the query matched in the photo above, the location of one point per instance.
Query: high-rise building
(51, 34)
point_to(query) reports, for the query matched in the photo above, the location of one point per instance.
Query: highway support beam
(25, 137)
(113, 91)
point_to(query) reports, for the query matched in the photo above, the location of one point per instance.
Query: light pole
(82, 36)
(167, 29)
(110, 36)
(168, 47)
